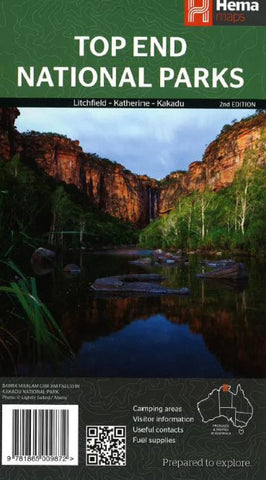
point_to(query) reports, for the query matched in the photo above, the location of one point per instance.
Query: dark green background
(109, 401)
(35, 32)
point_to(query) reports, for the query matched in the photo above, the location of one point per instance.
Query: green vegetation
(233, 218)
(249, 120)
(35, 210)
(34, 206)
(225, 128)
(23, 308)
(103, 160)
(35, 133)
(171, 177)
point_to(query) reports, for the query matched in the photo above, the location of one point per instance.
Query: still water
(218, 331)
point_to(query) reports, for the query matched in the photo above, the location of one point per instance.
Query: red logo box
(198, 13)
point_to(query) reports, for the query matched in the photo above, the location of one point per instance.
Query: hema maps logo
(205, 13)
(198, 13)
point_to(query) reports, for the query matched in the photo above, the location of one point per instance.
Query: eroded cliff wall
(221, 160)
(119, 192)
(9, 137)
(109, 185)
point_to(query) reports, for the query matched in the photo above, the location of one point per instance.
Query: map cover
(132, 240)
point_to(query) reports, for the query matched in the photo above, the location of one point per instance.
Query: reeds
(48, 339)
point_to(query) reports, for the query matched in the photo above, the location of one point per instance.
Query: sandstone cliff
(221, 160)
(9, 137)
(119, 192)
(109, 185)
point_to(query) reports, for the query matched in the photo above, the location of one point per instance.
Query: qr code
(105, 446)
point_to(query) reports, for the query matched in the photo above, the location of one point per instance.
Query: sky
(145, 141)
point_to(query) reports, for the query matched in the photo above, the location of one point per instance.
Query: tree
(65, 213)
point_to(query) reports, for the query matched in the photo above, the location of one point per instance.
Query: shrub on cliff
(230, 219)
(36, 205)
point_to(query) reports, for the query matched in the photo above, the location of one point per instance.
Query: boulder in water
(135, 284)
(142, 261)
(72, 269)
(42, 261)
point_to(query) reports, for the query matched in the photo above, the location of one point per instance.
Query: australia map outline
(223, 402)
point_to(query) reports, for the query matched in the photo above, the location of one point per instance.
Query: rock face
(9, 137)
(135, 284)
(109, 185)
(119, 192)
(221, 160)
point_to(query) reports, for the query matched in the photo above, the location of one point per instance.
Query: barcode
(40, 434)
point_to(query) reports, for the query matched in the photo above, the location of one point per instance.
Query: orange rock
(119, 192)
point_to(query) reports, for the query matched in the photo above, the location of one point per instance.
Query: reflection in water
(221, 334)
(220, 328)
(154, 347)
(219, 331)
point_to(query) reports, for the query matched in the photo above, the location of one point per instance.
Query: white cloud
(144, 140)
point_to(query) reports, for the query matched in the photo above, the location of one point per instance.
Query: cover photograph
(132, 240)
